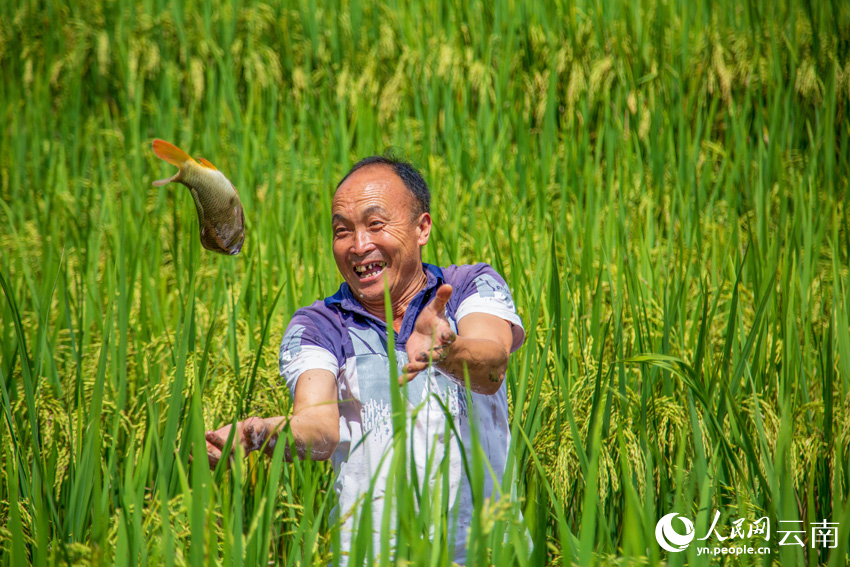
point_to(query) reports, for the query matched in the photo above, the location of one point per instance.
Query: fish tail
(170, 153)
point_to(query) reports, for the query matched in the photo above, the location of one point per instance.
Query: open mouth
(369, 270)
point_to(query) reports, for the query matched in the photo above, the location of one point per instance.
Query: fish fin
(207, 164)
(211, 239)
(198, 207)
(238, 236)
(170, 153)
(161, 182)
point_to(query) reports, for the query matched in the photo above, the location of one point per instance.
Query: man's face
(377, 236)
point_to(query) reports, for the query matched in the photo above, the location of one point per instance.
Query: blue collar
(344, 300)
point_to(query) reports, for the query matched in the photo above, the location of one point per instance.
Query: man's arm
(314, 423)
(481, 345)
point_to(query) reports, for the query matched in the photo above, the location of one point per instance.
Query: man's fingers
(407, 376)
(248, 437)
(444, 293)
(410, 371)
(214, 440)
(414, 367)
(426, 358)
(213, 455)
(437, 354)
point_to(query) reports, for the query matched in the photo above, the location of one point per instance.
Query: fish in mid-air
(220, 215)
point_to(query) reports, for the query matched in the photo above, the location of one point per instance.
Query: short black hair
(411, 177)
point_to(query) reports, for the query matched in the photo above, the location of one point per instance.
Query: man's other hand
(250, 433)
(432, 336)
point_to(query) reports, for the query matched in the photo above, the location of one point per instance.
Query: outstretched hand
(250, 433)
(432, 336)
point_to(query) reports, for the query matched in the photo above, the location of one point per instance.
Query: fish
(220, 216)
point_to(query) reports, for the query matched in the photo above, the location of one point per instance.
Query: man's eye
(376, 224)
(340, 231)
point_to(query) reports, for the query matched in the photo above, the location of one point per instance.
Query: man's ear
(424, 226)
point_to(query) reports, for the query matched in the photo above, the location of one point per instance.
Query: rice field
(663, 185)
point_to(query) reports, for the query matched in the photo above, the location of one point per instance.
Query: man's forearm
(312, 436)
(484, 359)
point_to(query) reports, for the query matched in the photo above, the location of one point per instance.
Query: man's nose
(362, 242)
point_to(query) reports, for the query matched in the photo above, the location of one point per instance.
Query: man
(335, 361)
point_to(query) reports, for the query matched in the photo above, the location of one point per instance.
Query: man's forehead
(339, 213)
(372, 186)
(376, 173)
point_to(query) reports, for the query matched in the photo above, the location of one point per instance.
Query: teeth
(370, 269)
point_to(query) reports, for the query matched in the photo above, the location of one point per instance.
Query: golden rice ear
(207, 164)
(170, 153)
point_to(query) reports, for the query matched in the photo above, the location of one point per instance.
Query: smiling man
(335, 361)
